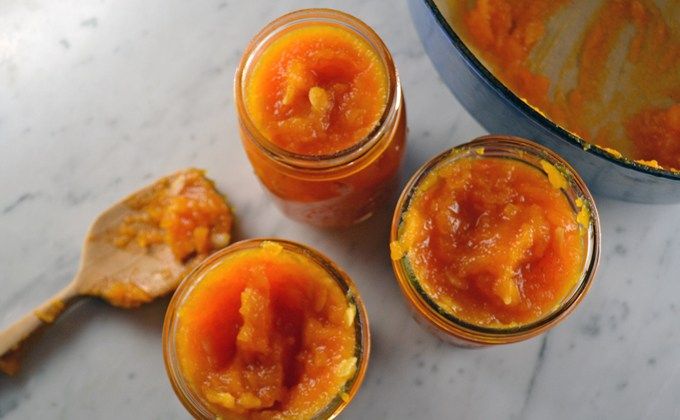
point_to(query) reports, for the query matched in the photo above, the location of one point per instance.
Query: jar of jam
(322, 116)
(266, 328)
(495, 241)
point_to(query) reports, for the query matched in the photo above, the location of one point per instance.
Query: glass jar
(443, 322)
(334, 190)
(195, 403)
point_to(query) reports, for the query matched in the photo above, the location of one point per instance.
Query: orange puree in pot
(658, 131)
(507, 30)
(493, 241)
(266, 333)
(317, 90)
(618, 85)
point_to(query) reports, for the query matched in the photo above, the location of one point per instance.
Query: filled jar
(266, 328)
(495, 241)
(321, 116)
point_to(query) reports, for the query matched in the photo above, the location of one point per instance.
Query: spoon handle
(45, 314)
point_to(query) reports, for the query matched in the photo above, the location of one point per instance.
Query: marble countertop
(99, 98)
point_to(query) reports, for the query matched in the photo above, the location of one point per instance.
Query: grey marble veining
(99, 98)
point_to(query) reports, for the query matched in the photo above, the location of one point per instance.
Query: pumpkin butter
(494, 241)
(266, 333)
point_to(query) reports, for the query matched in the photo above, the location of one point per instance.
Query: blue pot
(501, 112)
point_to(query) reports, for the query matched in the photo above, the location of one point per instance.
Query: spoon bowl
(126, 274)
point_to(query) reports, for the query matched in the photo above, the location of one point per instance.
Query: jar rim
(193, 402)
(444, 320)
(342, 157)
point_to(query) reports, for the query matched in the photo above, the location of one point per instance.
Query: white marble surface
(100, 97)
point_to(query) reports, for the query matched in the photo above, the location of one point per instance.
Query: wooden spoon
(125, 276)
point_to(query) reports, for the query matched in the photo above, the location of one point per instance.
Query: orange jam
(322, 116)
(617, 86)
(494, 241)
(317, 90)
(184, 210)
(266, 332)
